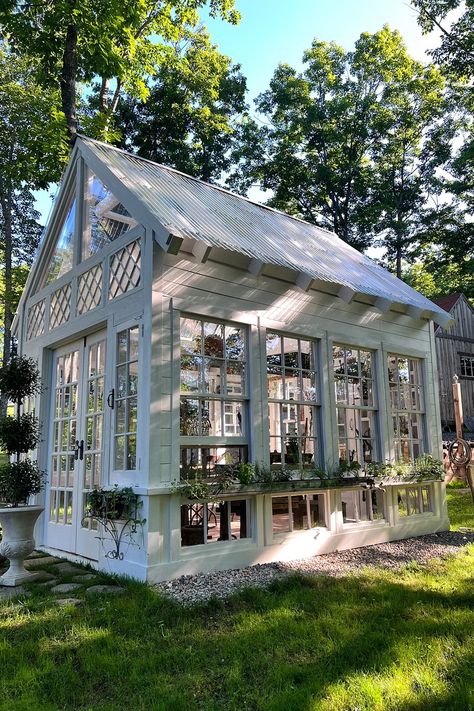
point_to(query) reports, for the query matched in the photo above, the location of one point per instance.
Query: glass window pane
(218, 522)
(214, 340)
(275, 384)
(191, 336)
(213, 373)
(62, 258)
(402, 502)
(290, 347)
(273, 351)
(192, 524)
(316, 509)
(191, 367)
(299, 512)
(414, 500)
(280, 514)
(239, 519)
(426, 498)
(235, 378)
(234, 343)
(108, 219)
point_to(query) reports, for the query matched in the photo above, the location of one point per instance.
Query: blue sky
(273, 31)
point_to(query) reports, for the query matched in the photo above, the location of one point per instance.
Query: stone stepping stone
(36, 554)
(66, 569)
(64, 601)
(84, 578)
(9, 593)
(65, 587)
(48, 583)
(43, 576)
(44, 560)
(104, 590)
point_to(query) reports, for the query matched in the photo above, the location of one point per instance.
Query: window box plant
(20, 478)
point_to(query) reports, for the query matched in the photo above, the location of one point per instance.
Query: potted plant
(116, 511)
(20, 478)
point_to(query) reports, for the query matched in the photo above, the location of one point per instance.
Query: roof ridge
(212, 185)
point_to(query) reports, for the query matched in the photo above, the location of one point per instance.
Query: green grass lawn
(374, 640)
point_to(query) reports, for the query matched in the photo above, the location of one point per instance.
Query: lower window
(214, 522)
(362, 505)
(296, 513)
(413, 500)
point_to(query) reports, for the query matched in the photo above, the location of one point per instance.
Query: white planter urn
(18, 542)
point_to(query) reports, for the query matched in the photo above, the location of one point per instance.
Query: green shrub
(19, 434)
(20, 378)
(20, 480)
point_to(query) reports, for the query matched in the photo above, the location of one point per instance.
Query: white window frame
(286, 403)
(278, 535)
(466, 362)
(370, 520)
(396, 412)
(127, 474)
(201, 441)
(344, 407)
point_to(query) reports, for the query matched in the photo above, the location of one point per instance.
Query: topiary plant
(20, 378)
(19, 481)
(21, 478)
(19, 434)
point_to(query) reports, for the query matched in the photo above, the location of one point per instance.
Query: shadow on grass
(371, 641)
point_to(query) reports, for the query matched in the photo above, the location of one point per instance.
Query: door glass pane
(126, 404)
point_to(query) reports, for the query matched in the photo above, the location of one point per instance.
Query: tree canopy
(110, 40)
(189, 117)
(351, 142)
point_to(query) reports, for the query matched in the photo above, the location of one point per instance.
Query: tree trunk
(68, 82)
(399, 259)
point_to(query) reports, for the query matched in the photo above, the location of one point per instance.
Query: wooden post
(459, 420)
(458, 413)
(465, 472)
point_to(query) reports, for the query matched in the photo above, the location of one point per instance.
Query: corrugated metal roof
(189, 207)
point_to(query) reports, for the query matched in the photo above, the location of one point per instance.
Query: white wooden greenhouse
(182, 332)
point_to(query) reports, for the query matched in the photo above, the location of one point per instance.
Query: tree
(188, 119)
(456, 49)
(415, 141)
(119, 42)
(32, 151)
(451, 228)
(332, 132)
(435, 276)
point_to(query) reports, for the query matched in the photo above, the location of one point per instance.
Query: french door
(76, 443)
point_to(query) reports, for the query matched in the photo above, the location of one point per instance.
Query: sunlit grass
(376, 640)
(460, 508)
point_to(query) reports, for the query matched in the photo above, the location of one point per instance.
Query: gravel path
(191, 589)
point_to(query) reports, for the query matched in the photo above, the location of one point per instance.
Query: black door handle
(81, 450)
(111, 399)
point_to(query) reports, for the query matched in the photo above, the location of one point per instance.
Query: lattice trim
(125, 270)
(89, 290)
(36, 314)
(60, 306)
